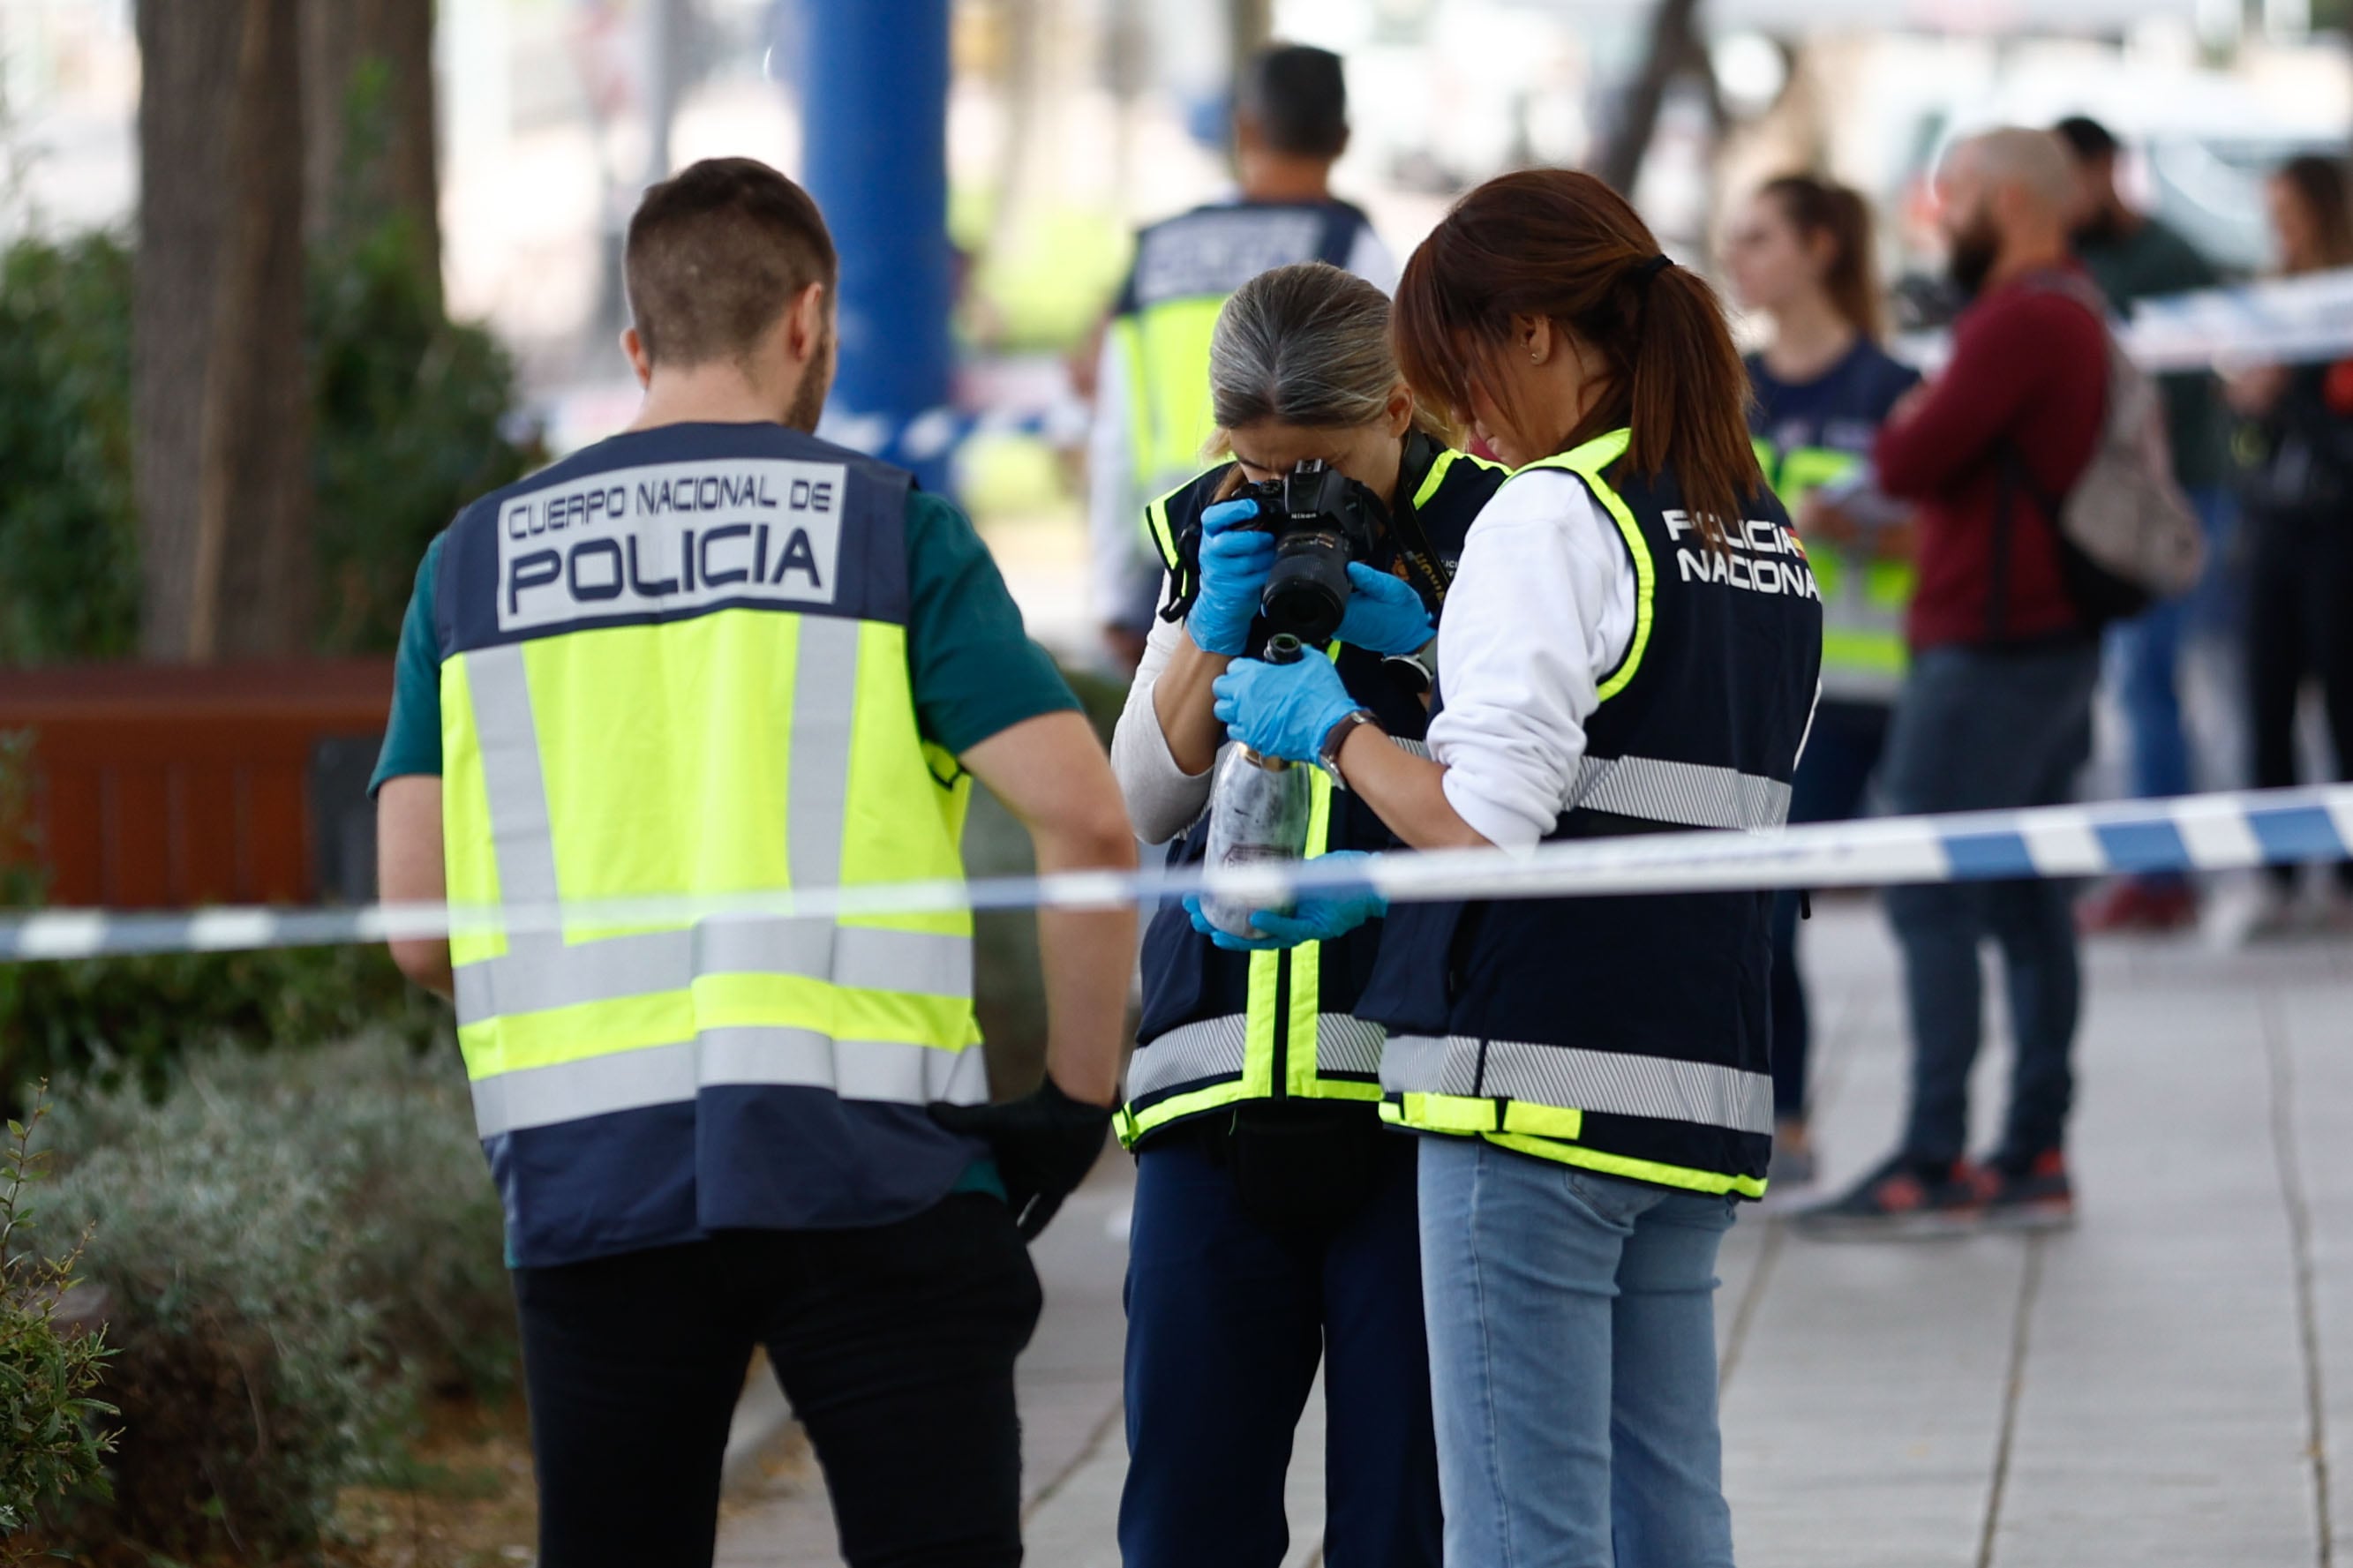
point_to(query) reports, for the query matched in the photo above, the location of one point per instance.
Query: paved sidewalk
(2166, 1384)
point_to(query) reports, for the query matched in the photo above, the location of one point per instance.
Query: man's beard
(2099, 228)
(809, 398)
(1974, 251)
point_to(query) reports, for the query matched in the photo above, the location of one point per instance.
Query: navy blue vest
(1590, 1004)
(561, 552)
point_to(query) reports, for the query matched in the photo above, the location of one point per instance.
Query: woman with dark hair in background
(1801, 252)
(2298, 490)
(1631, 645)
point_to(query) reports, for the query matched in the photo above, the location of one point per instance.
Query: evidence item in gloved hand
(1321, 520)
(1045, 1143)
(1258, 808)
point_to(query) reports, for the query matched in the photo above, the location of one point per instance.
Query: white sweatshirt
(1541, 609)
(1542, 606)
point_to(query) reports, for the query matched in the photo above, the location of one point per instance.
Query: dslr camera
(1321, 520)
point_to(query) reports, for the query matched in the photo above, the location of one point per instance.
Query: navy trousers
(1226, 1324)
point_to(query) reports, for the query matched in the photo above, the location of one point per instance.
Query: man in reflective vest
(715, 656)
(1151, 399)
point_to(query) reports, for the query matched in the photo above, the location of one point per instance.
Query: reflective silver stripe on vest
(888, 1071)
(1220, 1048)
(1686, 793)
(1574, 1080)
(646, 963)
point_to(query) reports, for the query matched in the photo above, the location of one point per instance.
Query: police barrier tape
(2194, 832)
(2280, 320)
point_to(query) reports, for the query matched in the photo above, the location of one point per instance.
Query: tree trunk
(221, 390)
(1674, 38)
(369, 126)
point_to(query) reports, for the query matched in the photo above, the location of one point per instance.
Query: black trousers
(2299, 632)
(895, 1345)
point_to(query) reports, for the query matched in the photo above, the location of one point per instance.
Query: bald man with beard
(1996, 712)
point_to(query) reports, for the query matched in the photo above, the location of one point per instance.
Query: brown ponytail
(1851, 281)
(1562, 245)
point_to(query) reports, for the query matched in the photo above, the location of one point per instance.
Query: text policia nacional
(1764, 557)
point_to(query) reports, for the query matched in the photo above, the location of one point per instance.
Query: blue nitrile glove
(1322, 916)
(1385, 615)
(1235, 560)
(1282, 710)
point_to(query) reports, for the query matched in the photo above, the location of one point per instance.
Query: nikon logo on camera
(670, 537)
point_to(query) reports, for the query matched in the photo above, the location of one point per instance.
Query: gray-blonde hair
(1305, 345)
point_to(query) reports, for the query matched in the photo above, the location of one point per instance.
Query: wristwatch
(1328, 755)
(1418, 670)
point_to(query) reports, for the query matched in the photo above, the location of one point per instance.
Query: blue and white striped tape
(2195, 833)
(2280, 320)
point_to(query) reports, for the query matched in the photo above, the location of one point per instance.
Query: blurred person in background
(1152, 412)
(1631, 645)
(2132, 255)
(2297, 489)
(1802, 252)
(1995, 709)
(1275, 1225)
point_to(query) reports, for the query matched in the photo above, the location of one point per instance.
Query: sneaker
(2130, 904)
(1905, 1199)
(2030, 1194)
(2259, 910)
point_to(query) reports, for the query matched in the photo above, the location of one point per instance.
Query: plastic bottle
(1258, 808)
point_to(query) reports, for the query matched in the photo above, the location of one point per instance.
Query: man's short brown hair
(716, 255)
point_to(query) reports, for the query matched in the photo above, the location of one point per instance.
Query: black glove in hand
(1045, 1143)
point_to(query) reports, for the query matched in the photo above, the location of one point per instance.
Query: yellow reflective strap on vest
(1164, 536)
(1805, 469)
(1167, 349)
(1587, 462)
(1461, 1116)
(1259, 1016)
(1435, 481)
(1300, 1075)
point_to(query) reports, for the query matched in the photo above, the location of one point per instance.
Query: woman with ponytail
(1800, 253)
(1631, 645)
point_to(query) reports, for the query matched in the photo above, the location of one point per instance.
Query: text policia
(1761, 556)
(670, 536)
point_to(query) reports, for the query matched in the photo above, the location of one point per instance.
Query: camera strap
(1424, 568)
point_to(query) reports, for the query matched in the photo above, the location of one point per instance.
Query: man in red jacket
(1996, 711)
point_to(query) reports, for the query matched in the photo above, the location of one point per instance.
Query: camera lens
(1307, 591)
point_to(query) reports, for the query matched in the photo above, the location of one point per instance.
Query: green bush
(52, 1444)
(405, 429)
(290, 1247)
(408, 414)
(69, 531)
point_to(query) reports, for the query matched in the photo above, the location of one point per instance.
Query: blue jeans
(1841, 750)
(1984, 730)
(1226, 1322)
(1572, 1362)
(2144, 654)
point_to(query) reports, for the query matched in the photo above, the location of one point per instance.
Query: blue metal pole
(874, 95)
